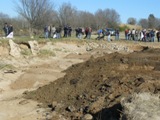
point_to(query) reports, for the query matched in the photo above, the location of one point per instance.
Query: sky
(125, 8)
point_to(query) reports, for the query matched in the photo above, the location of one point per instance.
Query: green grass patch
(46, 53)
(6, 66)
(26, 52)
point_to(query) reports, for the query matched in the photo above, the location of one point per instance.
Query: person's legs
(109, 36)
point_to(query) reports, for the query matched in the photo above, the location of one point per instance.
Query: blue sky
(125, 8)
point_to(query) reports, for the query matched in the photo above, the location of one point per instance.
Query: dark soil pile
(96, 86)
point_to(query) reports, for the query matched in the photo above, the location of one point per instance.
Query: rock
(23, 102)
(124, 60)
(111, 96)
(77, 116)
(139, 81)
(88, 117)
(34, 47)
(74, 81)
(54, 104)
(10, 71)
(92, 96)
(40, 105)
(88, 48)
(15, 50)
(70, 108)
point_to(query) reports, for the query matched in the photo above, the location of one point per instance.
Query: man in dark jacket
(6, 29)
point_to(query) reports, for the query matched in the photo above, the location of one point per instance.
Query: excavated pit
(96, 86)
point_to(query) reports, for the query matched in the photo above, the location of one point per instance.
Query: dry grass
(143, 106)
(132, 26)
(45, 53)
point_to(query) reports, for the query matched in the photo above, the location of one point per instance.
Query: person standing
(129, 34)
(126, 34)
(109, 36)
(86, 32)
(80, 32)
(117, 34)
(6, 29)
(10, 28)
(65, 29)
(54, 31)
(89, 32)
(10, 31)
(133, 34)
(158, 36)
(152, 35)
(58, 32)
(46, 31)
(69, 31)
(49, 31)
(77, 31)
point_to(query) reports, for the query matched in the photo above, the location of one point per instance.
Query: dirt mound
(97, 86)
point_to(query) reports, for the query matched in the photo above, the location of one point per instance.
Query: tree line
(151, 22)
(35, 14)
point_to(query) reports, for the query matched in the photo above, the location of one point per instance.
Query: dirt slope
(96, 86)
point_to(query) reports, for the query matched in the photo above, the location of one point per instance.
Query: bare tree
(4, 18)
(151, 21)
(144, 23)
(157, 23)
(107, 18)
(36, 12)
(132, 21)
(100, 18)
(67, 14)
(113, 18)
(86, 19)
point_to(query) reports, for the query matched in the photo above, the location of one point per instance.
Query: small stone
(40, 105)
(88, 117)
(54, 104)
(23, 102)
(70, 108)
(93, 96)
(111, 96)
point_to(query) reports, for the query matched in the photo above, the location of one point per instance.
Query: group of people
(81, 31)
(8, 30)
(107, 32)
(142, 35)
(55, 32)
(49, 31)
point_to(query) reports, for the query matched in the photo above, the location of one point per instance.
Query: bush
(123, 28)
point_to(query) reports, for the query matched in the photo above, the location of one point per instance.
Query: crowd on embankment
(50, 31)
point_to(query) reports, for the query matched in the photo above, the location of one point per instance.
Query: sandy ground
(30, 74)
(33, 72)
